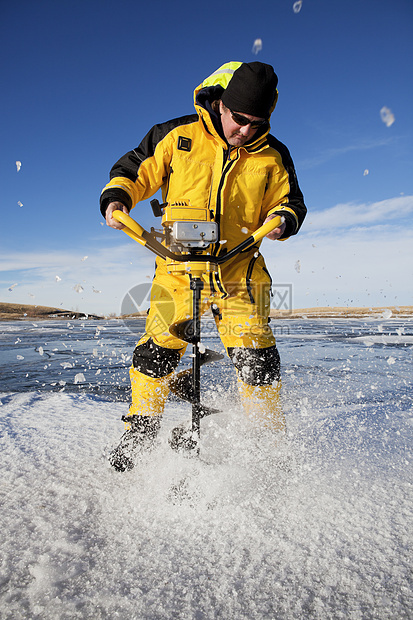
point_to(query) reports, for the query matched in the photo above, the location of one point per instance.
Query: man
(222, 158)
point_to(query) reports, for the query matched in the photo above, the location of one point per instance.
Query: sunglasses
(239, 119)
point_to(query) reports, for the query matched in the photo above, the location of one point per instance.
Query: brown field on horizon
(343, 312)
(13, 312)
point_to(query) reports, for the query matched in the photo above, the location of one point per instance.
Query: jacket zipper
(168, 183)
(226, 169)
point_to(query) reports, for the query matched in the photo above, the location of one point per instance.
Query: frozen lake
(319, 526)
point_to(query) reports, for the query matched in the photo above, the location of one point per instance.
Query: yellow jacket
(189, 159)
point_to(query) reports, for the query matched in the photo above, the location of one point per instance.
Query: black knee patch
(256, 366)
(155, 361)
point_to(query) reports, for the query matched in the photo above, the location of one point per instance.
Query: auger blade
(184, 438)
(184, 330)
(181, 385)
(209, 356)
(204, 411)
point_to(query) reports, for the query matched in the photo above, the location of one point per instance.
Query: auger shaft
(196, 286)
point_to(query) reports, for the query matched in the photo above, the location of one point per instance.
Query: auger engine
(187, 229)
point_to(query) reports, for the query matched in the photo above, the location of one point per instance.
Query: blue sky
(83, 81)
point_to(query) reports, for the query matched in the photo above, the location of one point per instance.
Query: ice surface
(318, 526)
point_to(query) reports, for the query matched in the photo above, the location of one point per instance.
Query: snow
(387, 116)
(317, 525)
(297, 6)
(257, 46)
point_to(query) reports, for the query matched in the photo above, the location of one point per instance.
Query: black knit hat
(252, 90)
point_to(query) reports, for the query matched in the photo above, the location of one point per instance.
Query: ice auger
(187, 235)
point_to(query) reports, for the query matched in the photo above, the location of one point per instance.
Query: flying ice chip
(257, 47)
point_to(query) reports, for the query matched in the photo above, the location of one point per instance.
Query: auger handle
(253, 238)
(142, 236)
(132, 228)
(263, 230)
(139, 234)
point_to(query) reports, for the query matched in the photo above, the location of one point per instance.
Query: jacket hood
(211, 89)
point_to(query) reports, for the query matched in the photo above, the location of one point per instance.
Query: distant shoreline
(344, 312)
(21, 312)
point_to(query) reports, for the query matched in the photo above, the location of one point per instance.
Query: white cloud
(378, 214)
(349, 261)
(111, 271)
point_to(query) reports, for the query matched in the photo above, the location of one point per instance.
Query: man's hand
(277, 232)
(110, 220)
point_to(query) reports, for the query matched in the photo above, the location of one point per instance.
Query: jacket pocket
(258, 284)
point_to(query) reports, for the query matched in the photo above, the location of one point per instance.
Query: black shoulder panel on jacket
(283, 151)
(128, 165)
(295, 197)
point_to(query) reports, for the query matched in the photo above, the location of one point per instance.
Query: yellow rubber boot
(262, 404)
(143, 420)
(149, 394)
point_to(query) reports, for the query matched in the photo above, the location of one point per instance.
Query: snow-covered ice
(318, 526)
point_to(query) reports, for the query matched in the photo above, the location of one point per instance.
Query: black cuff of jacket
(114, 195)
(290, 224)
